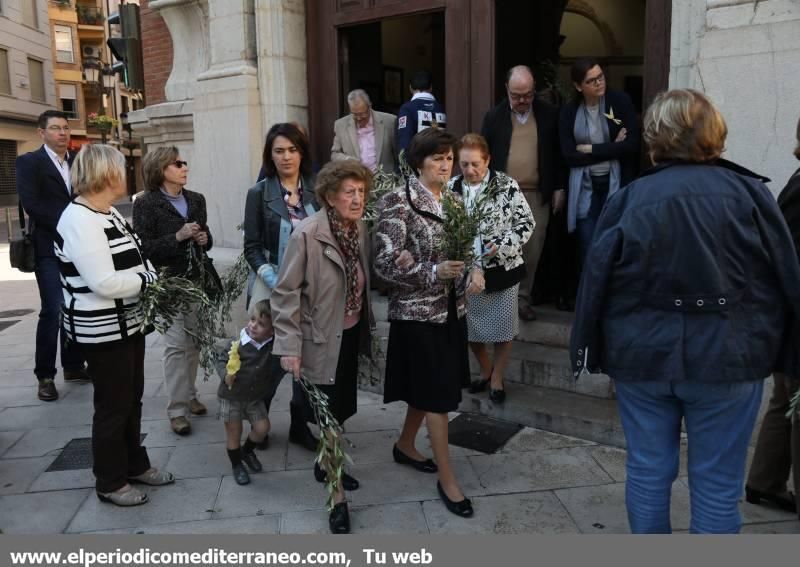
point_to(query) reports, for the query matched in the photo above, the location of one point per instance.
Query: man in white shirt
(44, 190)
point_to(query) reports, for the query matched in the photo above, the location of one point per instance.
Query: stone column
(281, 44)
(227, 119)
(744, 54)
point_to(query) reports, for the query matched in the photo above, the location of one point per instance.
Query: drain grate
(6, 324)
(480, 433)
(15, 313)
(76, 455)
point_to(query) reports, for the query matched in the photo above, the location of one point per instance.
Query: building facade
(27, 87)
(238, 66)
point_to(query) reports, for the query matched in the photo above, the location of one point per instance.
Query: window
(5, 79)
(36, 77)
(29, 13)
(68, 95)
(8, 174)
(64, 44)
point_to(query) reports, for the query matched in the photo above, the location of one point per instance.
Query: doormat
(76, 455)
(480, 433)
(15, 313)
(6, 324)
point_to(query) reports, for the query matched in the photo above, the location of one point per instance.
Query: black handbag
(21, 250)
(498, 278)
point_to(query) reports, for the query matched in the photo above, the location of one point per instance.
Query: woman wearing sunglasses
(170, 220)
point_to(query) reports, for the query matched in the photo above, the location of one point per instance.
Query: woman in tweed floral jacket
(427, 362)
(508, 224)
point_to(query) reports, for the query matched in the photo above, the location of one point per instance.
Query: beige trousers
(181, 359)
(532, 250)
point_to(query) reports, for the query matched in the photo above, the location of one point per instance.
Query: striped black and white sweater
(103, 271)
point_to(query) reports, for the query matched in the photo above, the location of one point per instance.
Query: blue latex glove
(268, 274)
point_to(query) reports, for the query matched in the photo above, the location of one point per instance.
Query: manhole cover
(6, 324)
(15, 313)
(480, 433)
(76, 455)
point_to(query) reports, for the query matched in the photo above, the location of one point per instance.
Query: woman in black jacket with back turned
(600, 135)
(171, 221)
(686, 305)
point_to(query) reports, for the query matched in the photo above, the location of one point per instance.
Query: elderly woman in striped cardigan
(103, 272)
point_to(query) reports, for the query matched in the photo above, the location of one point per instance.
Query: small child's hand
(229, 380)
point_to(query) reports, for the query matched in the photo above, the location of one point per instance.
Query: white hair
(358, 94)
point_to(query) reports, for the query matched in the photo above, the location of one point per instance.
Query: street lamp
(101, 77)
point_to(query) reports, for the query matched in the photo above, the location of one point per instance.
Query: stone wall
(745, 55)
(156, 53)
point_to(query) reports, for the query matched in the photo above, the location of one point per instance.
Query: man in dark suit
(522, 132)
(45, 190)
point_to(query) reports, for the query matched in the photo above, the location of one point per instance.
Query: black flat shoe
(783, 501)
(401, 458)
(339, 519)
(462, 508)
(478, 385)
(252, 462)
(348, 482)
(240, 474)
(497, 396)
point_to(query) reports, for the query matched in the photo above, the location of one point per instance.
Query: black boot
(299, 433)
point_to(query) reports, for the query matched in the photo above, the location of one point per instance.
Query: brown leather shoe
(197, 407)
(180, 425)
(77, 376)
(47, 390)
(526, 313)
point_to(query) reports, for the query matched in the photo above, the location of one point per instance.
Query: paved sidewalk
(538, 482)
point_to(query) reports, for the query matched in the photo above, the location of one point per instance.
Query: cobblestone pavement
(539, 482)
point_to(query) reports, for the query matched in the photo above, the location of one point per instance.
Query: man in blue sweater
(422, 111)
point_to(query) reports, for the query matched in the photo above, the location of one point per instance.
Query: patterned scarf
(347, 237)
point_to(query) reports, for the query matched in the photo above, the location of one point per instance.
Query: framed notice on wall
(392, 85)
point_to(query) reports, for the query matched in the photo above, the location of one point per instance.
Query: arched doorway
(480, 39)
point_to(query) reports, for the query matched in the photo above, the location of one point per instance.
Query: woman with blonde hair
(685, 304)
(103, 272)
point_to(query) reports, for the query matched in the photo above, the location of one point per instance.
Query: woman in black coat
(778, 447)
(600, 136)
(171, 221)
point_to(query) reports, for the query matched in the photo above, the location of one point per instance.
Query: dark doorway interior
(380, 57)
(548, 35)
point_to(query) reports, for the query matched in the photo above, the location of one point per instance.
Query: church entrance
(380, 57)
(468, 45)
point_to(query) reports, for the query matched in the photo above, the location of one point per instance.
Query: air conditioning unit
(92, 51)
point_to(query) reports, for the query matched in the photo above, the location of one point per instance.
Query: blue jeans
(585, 227)
(48, 279)
(719, 421)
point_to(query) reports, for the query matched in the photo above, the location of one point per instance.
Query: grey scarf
(579, 178)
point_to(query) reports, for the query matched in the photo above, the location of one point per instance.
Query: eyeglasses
(179, 163)
(360, 115)
(517, 97)
(55, 129)
(594, 81)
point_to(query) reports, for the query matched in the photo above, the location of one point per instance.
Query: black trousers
(117, 372)
(778, 447)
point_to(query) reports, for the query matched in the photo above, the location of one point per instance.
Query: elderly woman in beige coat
(321, 305)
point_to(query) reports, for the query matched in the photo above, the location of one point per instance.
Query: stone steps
(567, 413)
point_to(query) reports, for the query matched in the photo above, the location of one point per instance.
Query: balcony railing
(89, 15)
(65, 4)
